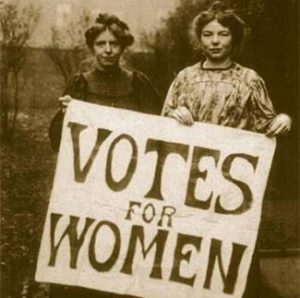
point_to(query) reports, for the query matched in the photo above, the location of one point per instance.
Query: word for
(149, 213)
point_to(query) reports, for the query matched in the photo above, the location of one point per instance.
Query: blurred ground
(281, 277)
(27, 169)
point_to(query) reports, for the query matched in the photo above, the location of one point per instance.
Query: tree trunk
(16, 105)
(4, 105)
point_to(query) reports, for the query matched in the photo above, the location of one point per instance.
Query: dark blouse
(121, 88)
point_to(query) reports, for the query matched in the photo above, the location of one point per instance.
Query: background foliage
(17, 25)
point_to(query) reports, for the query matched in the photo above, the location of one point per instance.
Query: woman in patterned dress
(220, 91)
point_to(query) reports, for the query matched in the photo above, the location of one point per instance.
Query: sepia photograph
(149, 148)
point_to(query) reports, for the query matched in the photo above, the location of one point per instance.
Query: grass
(26, 177)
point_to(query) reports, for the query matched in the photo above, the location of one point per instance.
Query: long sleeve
(146, 94)
(261, 110)
(76, 88)
(177, 94)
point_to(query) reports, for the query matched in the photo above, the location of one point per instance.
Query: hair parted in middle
(112, 23)
(225, 16)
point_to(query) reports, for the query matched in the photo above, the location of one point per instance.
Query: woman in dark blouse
(109, 84)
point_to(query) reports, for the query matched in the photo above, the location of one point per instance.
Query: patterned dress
(235, 97)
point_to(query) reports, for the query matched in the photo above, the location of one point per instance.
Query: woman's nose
(107, 47)
(215, 39)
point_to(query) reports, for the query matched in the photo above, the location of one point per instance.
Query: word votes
(163, 149)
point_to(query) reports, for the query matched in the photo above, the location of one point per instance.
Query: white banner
(142, 205)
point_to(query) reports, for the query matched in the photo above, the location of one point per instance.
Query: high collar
(231, 65)
(108, 72)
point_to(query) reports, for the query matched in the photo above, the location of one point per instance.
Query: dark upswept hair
(117, 27)
(226, 17)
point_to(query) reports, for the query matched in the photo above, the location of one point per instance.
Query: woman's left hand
(280, 125)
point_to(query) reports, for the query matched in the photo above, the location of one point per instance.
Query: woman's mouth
(216, 50)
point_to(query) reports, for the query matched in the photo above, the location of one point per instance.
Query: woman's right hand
(182, 115)
(64, 102)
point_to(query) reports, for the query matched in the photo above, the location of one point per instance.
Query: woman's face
(107, 50)
(216, 41)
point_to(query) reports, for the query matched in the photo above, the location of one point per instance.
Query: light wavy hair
(225, 16)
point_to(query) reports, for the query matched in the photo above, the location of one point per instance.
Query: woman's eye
(225, 33)
(100, 44)
(206, 34)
